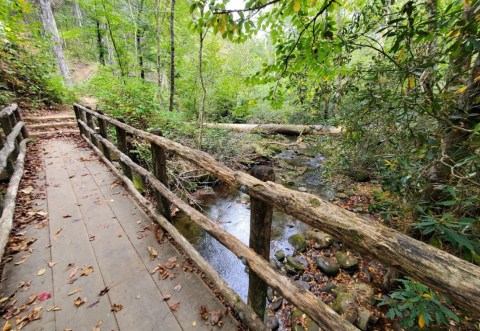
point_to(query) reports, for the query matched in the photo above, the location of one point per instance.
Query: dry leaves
(58, 231)
(178, 288)
(23, 259)
(215, 316)
(51, 264)
(104, 291)
(44, 296)
(54, 308)
(80, 301)
(79, 289)
(153, 253)
(86, 271)
(167, 297)
(41, 272)
(175, 306)
(116, 308)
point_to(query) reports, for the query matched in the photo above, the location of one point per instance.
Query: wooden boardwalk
(97, 230)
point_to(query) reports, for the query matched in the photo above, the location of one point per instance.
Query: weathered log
(7, 111)
(260, 235)
(104, 133)
(446, 273)
(245, 312)
(78, 115)
(285, 129)
(6, 220)
(314, 307)
(9, 145)
(18, 118)
(123, 147)
(91, 124)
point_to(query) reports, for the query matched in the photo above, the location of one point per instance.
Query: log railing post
(260, 233)
(13, 121)
(104, 133)
(7, 129)
(83, 117)
(18, 118)
(160, 172)
(9, 166)
(91, 125)
(123, 147)
(78, 115)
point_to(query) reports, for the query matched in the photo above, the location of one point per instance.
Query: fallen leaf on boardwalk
(51, 264)
(7, 326)
(79, 289)
(116, 307)
(41, 272)
(44, 296)
(86, 271)
(178, 288)
(175, 306)
(194, 323)
(158, 267)
(79, 301)
(67, 216)
(170, 264)
(27, 190)
(216, 317)
(54, 308)
(204, 312)
(167, 297)
(58, 231)
(93, 304)
(24, 286)
(67, 329)
(2, 300)
(153, 252)
(35, 314)
(30, 299)
(23, 259)
(91, 238)
(104, 291)
(72, 278)
(158, 233)
(70, 266)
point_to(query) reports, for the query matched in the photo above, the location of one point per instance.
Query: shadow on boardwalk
(93, 254)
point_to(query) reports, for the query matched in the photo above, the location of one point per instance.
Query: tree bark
(100, 43)
(204, 89)
(51, 30)
(78, 12)
(172, 54)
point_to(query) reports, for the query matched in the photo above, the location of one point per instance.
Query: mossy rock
(298, 242)
(297, 266)
(347, 261)
(322, 239)
(300, 319)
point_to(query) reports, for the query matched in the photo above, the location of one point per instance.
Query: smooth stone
(322, 239)
(277, 303)
(318, 278)
(302, 260)
(272, 323)
(280, 255)
(297, 266)
(289, 270)
(274, 264)
(363, 318)
(328, 287)
(303, 284)
(307, 322)
(328, 266)
(302, 189)
(307, 278)
(298, 242)
(272, 294)
(345, 305)
(347, 261)
(328, 300)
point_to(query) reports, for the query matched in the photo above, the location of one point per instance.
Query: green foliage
(26, 68)
(418, 306)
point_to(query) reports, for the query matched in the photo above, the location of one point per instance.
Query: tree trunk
(100, 44)
(115, 46)
(78, 12)
(50, 27)
(158, 32)
(172, 54)
(202, 83)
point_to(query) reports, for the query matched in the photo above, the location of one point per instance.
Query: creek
(231, 209)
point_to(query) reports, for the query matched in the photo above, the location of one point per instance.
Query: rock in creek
(297, 266)
(301, 320)
(347, 261)
(345, 305)
(328, 265)
(298, 242)
(321, 239)
(276, 303)
(272, 323)
(280, 255)
(303, 284)
(328, 287)
(363, 318)
(272, 294)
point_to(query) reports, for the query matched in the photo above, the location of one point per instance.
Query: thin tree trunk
(51, 31)
(172, 54)
(158, 32)
(202, 83)
(78, 12)
(100, 44)
(115, 46)
(140, 30)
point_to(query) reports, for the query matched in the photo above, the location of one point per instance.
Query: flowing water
(231, 209)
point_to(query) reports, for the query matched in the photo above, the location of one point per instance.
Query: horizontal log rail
(9, 145)
(7, 111)
(452, 276)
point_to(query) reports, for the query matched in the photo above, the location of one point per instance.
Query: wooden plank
(130, 282)
(71, 245)
(194, 292)
(27, 271)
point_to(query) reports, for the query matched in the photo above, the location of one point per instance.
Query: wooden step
(50, 125)
(49, 117)
(36, 134)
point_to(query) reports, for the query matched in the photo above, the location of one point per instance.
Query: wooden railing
(13, 144)
(456, 278)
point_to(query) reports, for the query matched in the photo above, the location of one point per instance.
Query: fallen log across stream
(285, 129)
